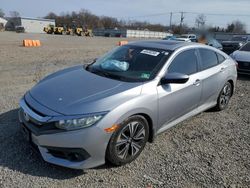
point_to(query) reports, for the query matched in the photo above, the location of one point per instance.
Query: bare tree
(85, 18)
(14, 14)
(240, 27)
(51, 15)
(200, 20)
(177, 29)
(236, 27)
(1, 13)
(216, 29)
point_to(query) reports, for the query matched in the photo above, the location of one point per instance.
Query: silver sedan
(242, 56)
(83, 116)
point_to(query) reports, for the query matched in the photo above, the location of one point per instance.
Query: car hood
(231, 42)
(241, 56)
(75, 91)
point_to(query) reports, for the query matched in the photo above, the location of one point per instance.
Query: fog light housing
(70, 154)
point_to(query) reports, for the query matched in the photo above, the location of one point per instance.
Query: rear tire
(224, 97)
(128, 141)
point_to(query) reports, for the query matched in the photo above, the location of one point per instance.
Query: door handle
(197, 82)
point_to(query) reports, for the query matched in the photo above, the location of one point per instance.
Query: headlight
(74, 124)
(232, 55)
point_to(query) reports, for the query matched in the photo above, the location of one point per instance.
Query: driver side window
(186, 63)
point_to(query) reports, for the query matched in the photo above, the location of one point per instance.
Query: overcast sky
(223, 11)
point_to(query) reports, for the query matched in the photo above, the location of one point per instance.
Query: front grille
(243, 65)
(34, 110)
(39, 128)
(31, 119)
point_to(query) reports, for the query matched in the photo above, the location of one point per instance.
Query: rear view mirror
(174, 78)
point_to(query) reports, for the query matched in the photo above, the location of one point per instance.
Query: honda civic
(86, 115)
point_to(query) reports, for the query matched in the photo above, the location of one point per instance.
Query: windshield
(214, 42)
(246, 47)
(130, 63)
(243, 39)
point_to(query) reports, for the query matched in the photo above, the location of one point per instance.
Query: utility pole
(182, 19)
(170, 24)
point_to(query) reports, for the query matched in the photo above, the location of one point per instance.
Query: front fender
(147, 105)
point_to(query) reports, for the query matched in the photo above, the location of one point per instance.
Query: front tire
(128, 141)
(224, 97)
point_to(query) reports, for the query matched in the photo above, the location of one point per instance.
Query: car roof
(170, 45)
(188, 35)
(182, 38)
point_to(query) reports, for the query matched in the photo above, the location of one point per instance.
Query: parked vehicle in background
(108, 110)
(181, 39)
(79, 31)
(234, 44)
(19, 29)
(192, 37)
(49, 29)
(214, 43)
(59, 30)
(209, 40)
(169, 37)
(242, 57)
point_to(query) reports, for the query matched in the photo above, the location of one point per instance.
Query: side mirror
(174, 78)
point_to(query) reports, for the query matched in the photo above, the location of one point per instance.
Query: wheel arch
(232, 84)
(151, 127)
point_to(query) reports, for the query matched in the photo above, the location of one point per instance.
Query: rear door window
(221, 58)
(186, 63)
(208, 58)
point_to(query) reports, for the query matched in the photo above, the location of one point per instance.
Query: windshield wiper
(107, 74)
(114, 76)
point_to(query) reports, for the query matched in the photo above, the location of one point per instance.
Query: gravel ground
(209, 150)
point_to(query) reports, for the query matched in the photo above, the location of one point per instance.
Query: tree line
(85, 18)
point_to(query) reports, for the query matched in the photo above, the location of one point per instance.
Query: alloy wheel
(225, 95)
(130, 140)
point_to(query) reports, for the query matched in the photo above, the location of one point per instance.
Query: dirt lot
(209, 150)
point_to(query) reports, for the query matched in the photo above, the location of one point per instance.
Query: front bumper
(243, 67)
(243, 71)
(79, 149)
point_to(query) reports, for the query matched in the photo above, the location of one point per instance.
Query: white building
(130, 33)
(31, 25)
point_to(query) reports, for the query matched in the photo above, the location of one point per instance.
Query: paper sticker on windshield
(150, 52)
(145, 75)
